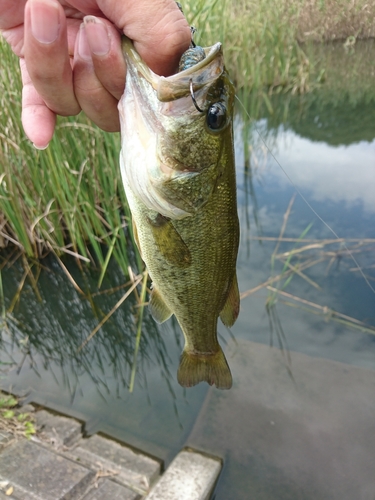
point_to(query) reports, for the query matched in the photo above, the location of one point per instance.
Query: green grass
(68, 198)
(259, 40)
(13, 420)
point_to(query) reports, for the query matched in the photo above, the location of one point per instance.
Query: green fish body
(178, 171)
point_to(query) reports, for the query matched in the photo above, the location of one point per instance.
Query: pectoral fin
(158, 308)
(231, 308)
(170, 244)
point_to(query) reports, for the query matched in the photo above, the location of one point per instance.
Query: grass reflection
(72, 334)
(293, 257)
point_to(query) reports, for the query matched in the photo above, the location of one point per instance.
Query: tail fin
(212, 368)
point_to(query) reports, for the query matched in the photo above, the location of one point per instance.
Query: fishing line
(305, 200)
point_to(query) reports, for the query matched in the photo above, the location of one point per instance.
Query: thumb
(158, 29)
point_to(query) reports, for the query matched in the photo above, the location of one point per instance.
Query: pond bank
(59, 463)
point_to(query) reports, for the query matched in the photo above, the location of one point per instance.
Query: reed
(259, 38)
(66, 199)
(266, 41)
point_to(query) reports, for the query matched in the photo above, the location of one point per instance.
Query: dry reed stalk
(325, 310)
(107, 316)
(322, 20)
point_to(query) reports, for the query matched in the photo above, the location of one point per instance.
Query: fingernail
(83, 44)
(45, 20)
(40, 148)
(97, 35)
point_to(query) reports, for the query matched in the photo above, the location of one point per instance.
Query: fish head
(175, 132)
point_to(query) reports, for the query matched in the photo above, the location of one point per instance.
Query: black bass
(177, 165)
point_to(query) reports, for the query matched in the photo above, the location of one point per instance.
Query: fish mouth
(173, 87)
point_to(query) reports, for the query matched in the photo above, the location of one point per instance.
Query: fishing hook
(193, 31)
(193, 97)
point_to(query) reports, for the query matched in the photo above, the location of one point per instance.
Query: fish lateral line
(306, 201)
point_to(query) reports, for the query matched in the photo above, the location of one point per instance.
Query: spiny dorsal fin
(231, 309)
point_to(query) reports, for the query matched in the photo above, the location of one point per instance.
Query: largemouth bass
(177, 165)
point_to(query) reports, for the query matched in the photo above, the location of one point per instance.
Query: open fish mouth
(201, 74)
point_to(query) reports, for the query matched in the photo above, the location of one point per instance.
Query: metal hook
(193, 97)
(193, 31)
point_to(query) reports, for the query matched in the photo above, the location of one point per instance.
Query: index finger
(158, 29)
(11, 13)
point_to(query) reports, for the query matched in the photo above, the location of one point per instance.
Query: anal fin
(231, 309)
(158, 308)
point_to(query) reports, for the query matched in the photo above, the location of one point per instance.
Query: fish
(178, 171)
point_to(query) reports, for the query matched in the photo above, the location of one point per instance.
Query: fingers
(38, 120)
(99, 72)
(95, 83)
(164, 40)
(105, 46)
(47, 56)
(11, 13)
(158, 28)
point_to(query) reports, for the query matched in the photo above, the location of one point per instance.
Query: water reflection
(326, 173)
(298, 422)
(41, 340)
(282, 439)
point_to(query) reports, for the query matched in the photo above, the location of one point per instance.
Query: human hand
(68, 65)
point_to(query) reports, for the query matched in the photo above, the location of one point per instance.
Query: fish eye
(216, 116)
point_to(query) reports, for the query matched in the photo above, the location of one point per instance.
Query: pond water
(299, 420)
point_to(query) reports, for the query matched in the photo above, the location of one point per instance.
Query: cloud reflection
(326, 173)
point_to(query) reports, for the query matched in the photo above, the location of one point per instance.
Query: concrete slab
(132, 469)
(111, 491)
(190, 476)
(5, 487)
(307, 438)
(3, 496)
(57, 431)
(5, 439)
(37, 473)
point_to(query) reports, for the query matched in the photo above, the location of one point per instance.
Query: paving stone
(28, 408)
(133, 469)
(191, 476)
(111, 491)
(37, 473)
(3, 496)
(5, 438)
(4, 486)
(56, 430)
